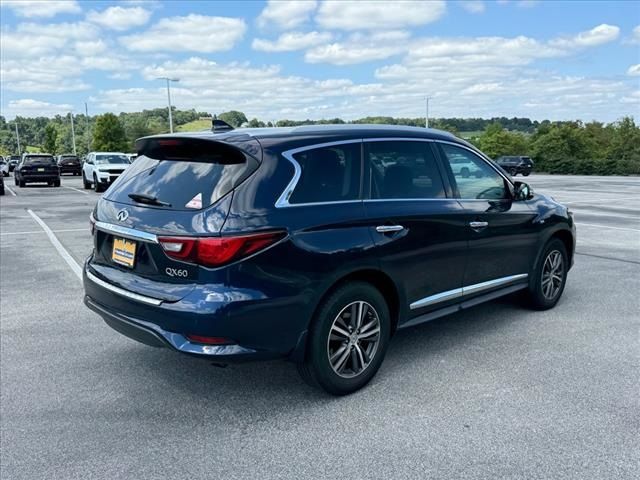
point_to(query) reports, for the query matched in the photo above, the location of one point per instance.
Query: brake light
(217, 251)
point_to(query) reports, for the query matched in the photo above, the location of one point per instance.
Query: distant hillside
(194, 126)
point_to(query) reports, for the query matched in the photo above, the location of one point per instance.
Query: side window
(473, 176)
(403, 169)
(329, 174)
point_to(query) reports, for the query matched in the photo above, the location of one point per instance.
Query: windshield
(106, 159)
(39, 159)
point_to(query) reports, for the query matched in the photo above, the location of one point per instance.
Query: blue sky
(324, 59)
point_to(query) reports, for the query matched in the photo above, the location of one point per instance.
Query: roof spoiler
(218, 126)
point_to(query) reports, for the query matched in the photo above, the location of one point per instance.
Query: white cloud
(197, 33)
(46, 74)
(35, 40)
(120, 76)
(288, 42)
(634, 70)
(119, 18)
(357, 15)
(28, 107)
(360, 48)
(89, 48)
(596, 36)
(473, 6)
(41, 8)
(286, 14)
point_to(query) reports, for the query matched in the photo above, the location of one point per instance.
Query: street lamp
(426, 118)
(168, 80)
(73, 133)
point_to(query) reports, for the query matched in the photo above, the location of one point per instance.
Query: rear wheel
(526, 174)
(15, 180)
(22, 183)
(56, 183)
(85, 183)
(348, 339)
(549, 277)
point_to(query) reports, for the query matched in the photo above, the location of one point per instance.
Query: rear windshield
(117, 159)
(68, 158)
(39, 159)
(190, 179)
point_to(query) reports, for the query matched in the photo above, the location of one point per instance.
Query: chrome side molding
(468, 290)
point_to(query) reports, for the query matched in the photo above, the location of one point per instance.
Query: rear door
(501, 233)
(176, 188)
(418, 229)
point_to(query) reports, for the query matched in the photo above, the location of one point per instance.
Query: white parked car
(4, 167)
(100, 169)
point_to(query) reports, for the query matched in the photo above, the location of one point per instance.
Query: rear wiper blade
(148, 199)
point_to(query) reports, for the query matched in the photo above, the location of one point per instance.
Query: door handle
(389, 228)
(477, 226)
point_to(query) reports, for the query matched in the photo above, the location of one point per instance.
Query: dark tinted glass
(474, 178)
(403, 169)
(39, 159)
(329, 174)
(186, 184)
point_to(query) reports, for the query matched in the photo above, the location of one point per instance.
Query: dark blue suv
(314, 243)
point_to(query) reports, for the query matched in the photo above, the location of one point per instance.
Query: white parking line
(40, 231)
(76, 189)
(56, 243)
(607, 226)
(599, 200)
(10, 191)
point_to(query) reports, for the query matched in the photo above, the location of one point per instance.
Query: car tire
(356, 345)
(526, 174)
(22, 183)
(15, 180)
(549, 277)
(96, 185)
(56, 183)
(86, 185)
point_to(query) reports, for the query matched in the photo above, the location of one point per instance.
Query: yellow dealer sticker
(124, 252)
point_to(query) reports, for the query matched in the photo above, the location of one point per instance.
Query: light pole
(88, 133)
(73, 134)
(17, 135)
(426, 118)
(168, 80)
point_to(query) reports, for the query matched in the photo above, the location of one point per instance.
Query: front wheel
(526, 174)
(348, 339)
(56, 183)
(96, 185)
(549, 277)
(85, 183)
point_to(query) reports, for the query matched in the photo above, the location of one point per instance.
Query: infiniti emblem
(123, 215)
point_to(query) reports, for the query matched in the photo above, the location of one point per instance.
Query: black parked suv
(37, 168)
(314, 243)
(69, 164)
(516, 164)
(13, 162)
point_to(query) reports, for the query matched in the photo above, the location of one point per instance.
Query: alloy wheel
(353, 339)
(552, 274)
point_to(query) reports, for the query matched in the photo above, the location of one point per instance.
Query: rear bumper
(39, 178)
(261, 329)
(70, 169)
(154, 336)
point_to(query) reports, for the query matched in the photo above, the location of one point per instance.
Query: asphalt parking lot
(497, 391)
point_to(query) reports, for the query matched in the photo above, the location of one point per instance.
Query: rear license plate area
(123, 252)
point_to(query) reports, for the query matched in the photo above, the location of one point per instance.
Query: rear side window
(329, 174)
(403, 169)
(187, 177)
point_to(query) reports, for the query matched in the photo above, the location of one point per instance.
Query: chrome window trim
(122, 291)
(399, 139)
(467, 290)
(127, 232)
(482, 157)
(445, 199)
(283, 199)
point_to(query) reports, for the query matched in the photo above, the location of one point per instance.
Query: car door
(418, 229)
(501, 232)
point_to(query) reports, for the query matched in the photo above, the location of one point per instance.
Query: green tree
(233, 118)
(50, 137)
(255, 123)
(496, 141)
(109, 134)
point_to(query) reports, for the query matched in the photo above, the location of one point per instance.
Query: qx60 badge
(123, 215)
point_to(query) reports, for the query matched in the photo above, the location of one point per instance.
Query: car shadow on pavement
(275, 385)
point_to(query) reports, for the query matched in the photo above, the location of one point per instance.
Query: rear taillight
(217, 251)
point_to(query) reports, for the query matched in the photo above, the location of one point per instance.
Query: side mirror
(522, 191)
